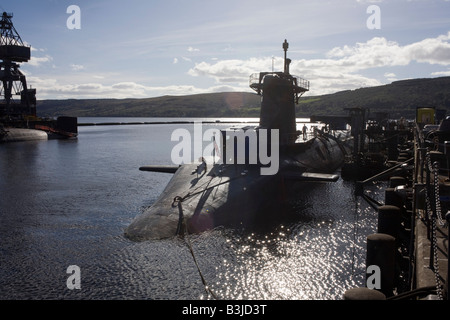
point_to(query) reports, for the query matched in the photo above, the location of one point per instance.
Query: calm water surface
(67, 203)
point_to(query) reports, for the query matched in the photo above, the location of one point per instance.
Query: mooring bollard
(381, 253)
(391, 198)
(396, 181)
(389, 219)
(363, 294)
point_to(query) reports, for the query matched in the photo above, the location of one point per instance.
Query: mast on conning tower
(285, 48)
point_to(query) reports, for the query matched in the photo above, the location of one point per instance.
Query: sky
(149, 48)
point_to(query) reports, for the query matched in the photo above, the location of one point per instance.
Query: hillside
(201, 105)
(399, 98)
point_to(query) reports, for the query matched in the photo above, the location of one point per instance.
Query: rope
(177, 201)
(371, 201)
(355, 233)
(185, 233)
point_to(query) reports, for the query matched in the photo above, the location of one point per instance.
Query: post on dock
(381, 253)
(363, 294)
(389, 219)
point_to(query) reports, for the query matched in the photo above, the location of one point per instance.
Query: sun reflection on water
(278, 266)
(317, 259)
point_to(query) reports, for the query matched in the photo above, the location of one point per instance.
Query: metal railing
(256, 80)
(428, 169)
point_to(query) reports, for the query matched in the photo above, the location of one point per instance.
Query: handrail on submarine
(300, 85)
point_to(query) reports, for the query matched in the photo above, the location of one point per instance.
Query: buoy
(363, 294)
(381, 253)
(389, 219)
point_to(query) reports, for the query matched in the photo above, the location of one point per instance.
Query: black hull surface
(234, 196)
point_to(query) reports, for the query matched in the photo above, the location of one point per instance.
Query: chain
(436, 260)
(432, 215)
(437, 194)
(429, 212)
(434, 169)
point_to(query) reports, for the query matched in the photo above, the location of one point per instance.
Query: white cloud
(33, 49)
(441, 73)
(191, 49)
(227, 70)
(51, 88)
(76, 67)
(343, 67)
(325, 76)
(432, 50)
(390, 76)
(379, 52)
(38, 61)
(362, 64)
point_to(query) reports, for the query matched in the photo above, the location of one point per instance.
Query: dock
(432, 215)
(410, 249)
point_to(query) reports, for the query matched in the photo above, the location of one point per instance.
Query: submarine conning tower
(280, 93)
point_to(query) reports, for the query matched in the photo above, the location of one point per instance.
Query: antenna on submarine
(286, 64)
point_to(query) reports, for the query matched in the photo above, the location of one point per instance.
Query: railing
(302, 83)
(256, 80)
(427, 166)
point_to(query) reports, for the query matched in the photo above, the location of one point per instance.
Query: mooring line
(355, 234)
(185, 234)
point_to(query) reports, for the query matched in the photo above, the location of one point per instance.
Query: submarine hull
(19, 134)
(224, 195)
(236, 196)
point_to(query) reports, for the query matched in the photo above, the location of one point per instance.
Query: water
(67, 202)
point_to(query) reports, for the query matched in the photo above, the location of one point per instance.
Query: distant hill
(225, 104)
(399, 98)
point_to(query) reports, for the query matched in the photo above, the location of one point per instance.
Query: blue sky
(149, 48)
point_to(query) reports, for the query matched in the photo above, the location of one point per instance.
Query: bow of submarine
(209, 199)
(161, 219)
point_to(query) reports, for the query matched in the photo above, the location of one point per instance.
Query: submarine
(243, 189)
